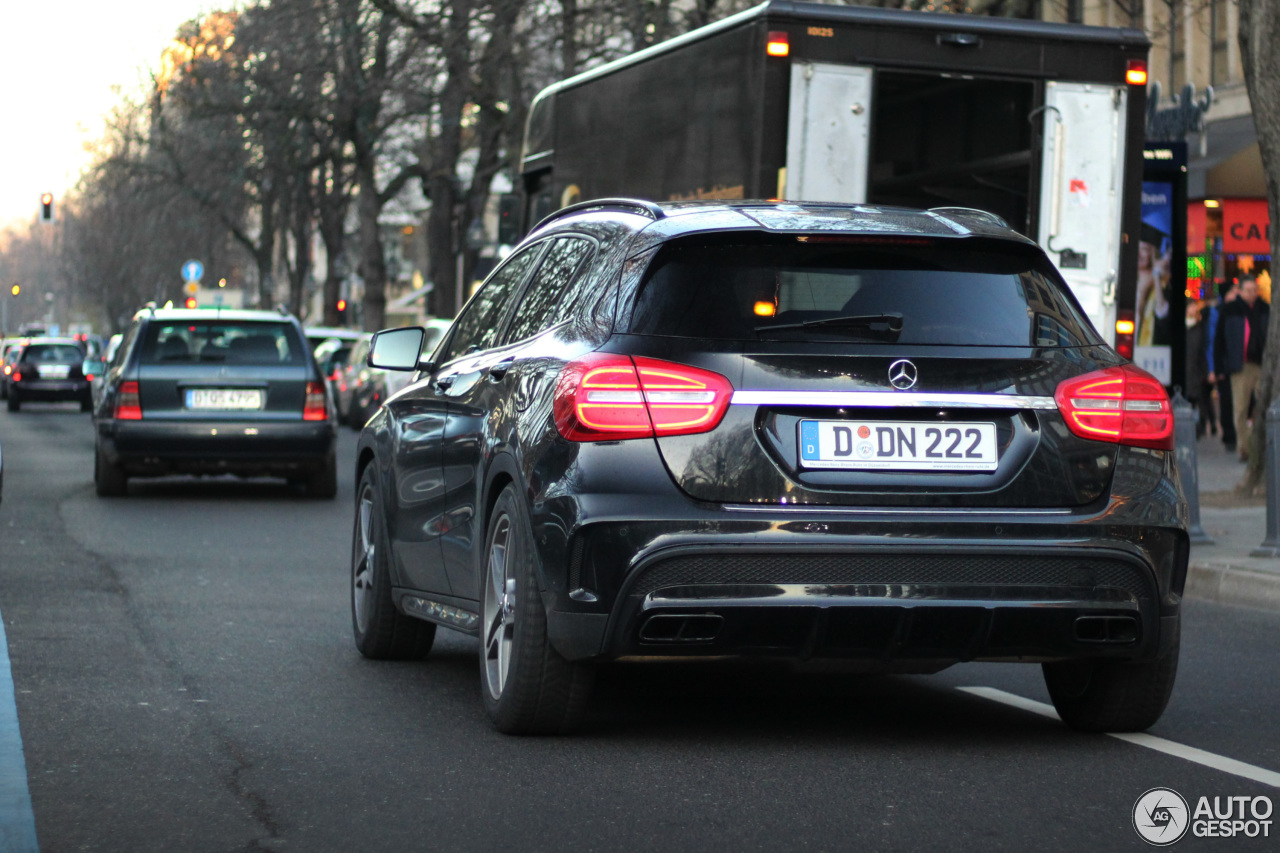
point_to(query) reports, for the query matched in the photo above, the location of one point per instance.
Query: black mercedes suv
(208, 391)
(879, 435)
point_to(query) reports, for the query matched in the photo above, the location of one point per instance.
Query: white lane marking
(1159, 744)
(17, 822)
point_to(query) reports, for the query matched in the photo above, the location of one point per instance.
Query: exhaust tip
(675, 628)
(1107, 629)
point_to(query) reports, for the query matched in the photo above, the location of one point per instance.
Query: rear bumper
(899, 595)
(155, 448)
(51, 391)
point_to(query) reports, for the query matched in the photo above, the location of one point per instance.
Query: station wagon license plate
(53, 371)
(898, 445)
(224, 398)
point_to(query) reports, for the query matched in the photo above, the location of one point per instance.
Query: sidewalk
(1223, 571)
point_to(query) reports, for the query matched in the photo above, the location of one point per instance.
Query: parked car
(208, 391)
(48, 370)
(883, 436)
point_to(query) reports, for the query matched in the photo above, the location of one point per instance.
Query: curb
(1235, 585)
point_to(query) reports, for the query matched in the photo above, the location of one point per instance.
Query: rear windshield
(63, 353)
(956, 293)
(255, 343)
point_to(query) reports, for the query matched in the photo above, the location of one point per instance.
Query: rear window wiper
(872, 322)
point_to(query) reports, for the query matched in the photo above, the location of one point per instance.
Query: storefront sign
(1195, 228)
(1244, 227)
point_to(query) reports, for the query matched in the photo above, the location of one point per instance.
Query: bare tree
(1259, 34)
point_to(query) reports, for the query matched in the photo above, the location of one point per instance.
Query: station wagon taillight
(128, 403)
(604, 397)
(1121, 405)
(313, 408)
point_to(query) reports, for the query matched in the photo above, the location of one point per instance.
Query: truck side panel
(683, 128)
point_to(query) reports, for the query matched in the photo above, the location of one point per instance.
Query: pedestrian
(1239, 342)
(1226, 292)
(1198, 389)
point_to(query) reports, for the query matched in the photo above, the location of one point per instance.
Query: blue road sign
(192, 271)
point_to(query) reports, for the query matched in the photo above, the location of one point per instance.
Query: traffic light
(16, 289)
(46, 207)
(342, 306)
(509, 219)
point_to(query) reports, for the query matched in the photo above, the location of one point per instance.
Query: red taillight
(88, 377)
(314, 409)
(8, 368)
(17, 377)
(128, 403)
(1121, 405)
(1124, 333)
(604, 397)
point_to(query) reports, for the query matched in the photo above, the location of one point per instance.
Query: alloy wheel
(499, 608)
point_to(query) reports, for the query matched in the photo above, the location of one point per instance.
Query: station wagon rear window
(891, 291)
(251, 343)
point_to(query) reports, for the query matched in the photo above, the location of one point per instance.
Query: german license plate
(224, 398)
(53, 371)
(898, 445)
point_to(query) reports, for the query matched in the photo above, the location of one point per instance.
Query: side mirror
(396, 349)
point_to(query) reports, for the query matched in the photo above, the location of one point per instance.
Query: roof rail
(634, 205)
(972, 212)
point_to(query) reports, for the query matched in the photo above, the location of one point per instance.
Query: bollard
(1270, 546)
(1184, 435)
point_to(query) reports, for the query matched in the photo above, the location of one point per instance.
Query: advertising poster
(1155, 266)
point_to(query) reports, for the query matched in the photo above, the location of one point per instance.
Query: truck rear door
(828, 133)
(1080, 199)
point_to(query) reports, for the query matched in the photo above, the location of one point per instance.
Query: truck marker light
(1124, 327)
(779, 44)
(1136, 73)
(765, 309)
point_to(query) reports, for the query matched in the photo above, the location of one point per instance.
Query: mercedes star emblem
(903, 374)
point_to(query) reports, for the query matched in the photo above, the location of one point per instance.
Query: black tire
(381, 632)
(86, 405)
(540, 692)
(322, 484)
(109, 480)
(1112, 696)
(14, 402)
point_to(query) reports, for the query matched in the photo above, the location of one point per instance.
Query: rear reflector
(605, 397)
(1121, 405)
(128, 403)
(314, 409)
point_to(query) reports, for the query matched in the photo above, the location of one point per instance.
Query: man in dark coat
(1239, 341)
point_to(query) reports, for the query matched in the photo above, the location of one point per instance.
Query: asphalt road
(185, 680)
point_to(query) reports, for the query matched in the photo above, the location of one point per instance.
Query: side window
(477, 326)
(122, 351)
(555, 293)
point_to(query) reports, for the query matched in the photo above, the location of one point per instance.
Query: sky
(61, 62)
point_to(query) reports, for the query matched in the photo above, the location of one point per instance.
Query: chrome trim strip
(865, 510)
(890, 399)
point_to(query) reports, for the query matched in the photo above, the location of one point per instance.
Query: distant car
(49, 371)
(316, 335)
(206, 391)
(331, 356)
(12, 351)
(350, 380)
